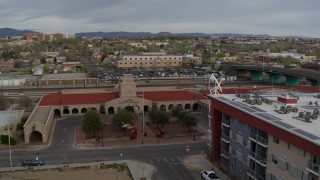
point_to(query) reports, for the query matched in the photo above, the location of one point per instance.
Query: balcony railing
(226, 122)
(225, 138)
(251, 173)
(313, 168)
(225, 154)
(255, 175)
(253, 136)
(261, 160)
(262, 141)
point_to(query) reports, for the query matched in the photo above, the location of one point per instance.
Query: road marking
(175, 171)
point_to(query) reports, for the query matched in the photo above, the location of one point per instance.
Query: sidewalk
(200, 163)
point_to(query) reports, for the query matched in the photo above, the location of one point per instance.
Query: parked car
(209, 175)
(32, 162)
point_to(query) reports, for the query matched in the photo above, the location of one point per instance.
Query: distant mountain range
(148, 34)
(14, 32)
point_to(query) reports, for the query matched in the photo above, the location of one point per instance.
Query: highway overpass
(275, 74)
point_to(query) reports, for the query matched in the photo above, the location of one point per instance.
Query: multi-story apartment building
(150, 60)
(270, 136)
(36, 36)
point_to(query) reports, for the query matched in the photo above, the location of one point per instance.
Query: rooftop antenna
(214, 84)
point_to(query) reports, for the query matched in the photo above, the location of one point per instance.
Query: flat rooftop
(40, 115)
(302, 118)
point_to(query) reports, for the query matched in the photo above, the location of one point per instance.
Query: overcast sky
(273, 17)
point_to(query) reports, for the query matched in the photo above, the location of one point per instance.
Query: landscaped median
(97, 171)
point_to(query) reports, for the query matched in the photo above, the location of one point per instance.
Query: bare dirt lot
(113, 171)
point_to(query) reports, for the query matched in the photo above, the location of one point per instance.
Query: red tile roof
(172, 95)
(74, 99)
(57, 99)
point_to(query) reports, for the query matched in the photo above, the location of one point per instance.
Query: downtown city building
(266, 135)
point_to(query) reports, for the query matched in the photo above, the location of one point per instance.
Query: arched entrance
(179, 106)
(171, 107)
(57, 112)
(102, 110)
(83, 110)
(154, 107)
(35, 137)
(75, 111)
(187, 106)
(146, 108)
(111, 110)
(195, 107)
(129, 108)
(94, 109)
(163, 107)
(66, 111)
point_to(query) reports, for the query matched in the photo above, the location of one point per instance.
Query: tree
(175, 112)
(124, 116)
(159, 117)
(91, 122)
(188, 120)
(163, 118)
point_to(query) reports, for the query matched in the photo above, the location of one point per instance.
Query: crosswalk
(167, 160)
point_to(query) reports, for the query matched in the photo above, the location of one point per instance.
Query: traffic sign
(187, 149)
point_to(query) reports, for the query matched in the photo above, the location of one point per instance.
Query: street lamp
(194, 133)
(272, 85)
(102, 144)
(9, 146)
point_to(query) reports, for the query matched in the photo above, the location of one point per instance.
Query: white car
(209, 175)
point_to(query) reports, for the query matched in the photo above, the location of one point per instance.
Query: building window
(234, 136)
(301, 152)
(244, 142)
(275, 140)
(287, 166)
(233, 152)
(299, 173)
(289, 146)
(274, 159)
(273, 177)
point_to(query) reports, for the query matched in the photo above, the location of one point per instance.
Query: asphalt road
(168, 159)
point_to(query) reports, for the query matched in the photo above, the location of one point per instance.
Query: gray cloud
(274, 17)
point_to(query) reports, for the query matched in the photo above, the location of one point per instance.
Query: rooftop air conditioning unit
(301, 114)
(307, 118)
(270, 101)
(316, 111)
(259, 102)
(253, 102)
(314, 116)
(294, 109)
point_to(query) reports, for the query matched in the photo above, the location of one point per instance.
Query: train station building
(126, 96)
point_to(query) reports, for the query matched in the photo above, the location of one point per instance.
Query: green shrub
(4, 140)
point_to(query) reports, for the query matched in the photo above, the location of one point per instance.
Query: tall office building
(266, 135)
